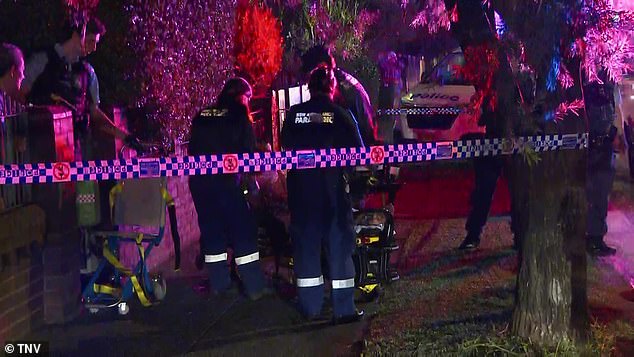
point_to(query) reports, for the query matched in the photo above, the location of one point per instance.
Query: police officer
(600, 108)
(61, 74)
(488, 169)
(349, 92)
(224, 217)
(320, 207)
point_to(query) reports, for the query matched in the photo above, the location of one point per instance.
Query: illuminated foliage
(258, 43)
(184, 52)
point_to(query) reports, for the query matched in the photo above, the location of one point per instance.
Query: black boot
(597, 247)
(357, 316)
(472, 241)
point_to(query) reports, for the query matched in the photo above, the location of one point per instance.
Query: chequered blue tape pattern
(283, 160)
(422, 111)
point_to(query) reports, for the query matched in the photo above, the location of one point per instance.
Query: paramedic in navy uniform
(224, 217)
(319, 203)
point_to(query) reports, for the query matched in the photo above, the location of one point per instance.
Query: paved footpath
(621, 223)
(190, 323)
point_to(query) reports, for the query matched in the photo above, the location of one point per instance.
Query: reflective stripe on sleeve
(248, 258)
(310, 282)
(343, 284)
(209, 258)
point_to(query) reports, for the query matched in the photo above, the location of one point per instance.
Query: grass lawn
(453, 303)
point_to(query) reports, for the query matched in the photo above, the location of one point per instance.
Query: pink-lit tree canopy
(185, 53)
(80, 10)
(598, 32)
(258, 43)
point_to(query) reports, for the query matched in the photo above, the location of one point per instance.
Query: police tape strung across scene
(282, 160)
(21, 173)
(422, 111)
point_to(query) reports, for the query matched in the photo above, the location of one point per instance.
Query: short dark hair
(232, 89)
(321, 81)
(95, 27)
(314, 56)
(10, 55)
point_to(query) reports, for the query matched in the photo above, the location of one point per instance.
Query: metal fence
(13, 150)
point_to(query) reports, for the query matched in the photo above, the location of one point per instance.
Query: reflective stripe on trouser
(250, 271)
(339, 251)
(246, 259)
(310, 282)
(314, 221)
(343, 284)
(217, 268)
(342, 292)
(215, 258)
(224, 219)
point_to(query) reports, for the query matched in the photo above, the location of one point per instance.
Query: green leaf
(530, 155)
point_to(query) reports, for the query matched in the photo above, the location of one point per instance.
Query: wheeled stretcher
(138, 212)
(374, 245)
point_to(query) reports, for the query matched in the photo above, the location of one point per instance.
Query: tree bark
(551, 297)
(549, 197)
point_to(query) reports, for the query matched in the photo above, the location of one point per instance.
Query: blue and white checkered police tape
(282, 160)
(422, 111)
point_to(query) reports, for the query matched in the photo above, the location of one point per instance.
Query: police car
(436, 108)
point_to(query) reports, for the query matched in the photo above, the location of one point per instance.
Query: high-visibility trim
(112, 259)
(368, 288)
(246, 259)
(211, 258)
(106, 289)
(167, 197)
(343, 284)
(310, 282)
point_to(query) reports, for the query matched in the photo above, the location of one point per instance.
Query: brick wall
(32, 234)
(62, 286)
(21, 273)
(23, 227)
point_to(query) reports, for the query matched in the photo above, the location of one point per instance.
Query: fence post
(50, 138)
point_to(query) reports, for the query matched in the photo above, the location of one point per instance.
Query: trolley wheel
(123, 308)
(159, 286)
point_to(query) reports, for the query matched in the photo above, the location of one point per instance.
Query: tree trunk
(548, 198)
(551, 300)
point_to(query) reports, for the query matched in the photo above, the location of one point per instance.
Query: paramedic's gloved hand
(134, 143)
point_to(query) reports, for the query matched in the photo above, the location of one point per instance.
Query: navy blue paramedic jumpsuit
(224, 217)
(321, 212)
